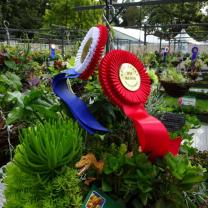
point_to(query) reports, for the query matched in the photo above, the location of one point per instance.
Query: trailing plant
(172, 75)
(155, 102)
(27, 191)
(46, 149)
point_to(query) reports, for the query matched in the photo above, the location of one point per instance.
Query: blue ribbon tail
(77, 107)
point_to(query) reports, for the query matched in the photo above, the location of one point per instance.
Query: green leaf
(10, 64)
(16, 96)
(123, 149)
(11, 80)
(15, 115)
(160, 204)
(44, 111)
(106, 187)
(112, 164)
(192, 179)
(32, 95)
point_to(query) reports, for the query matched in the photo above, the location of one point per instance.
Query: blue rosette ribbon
(195, 51)
(77, 107)
(88, 57)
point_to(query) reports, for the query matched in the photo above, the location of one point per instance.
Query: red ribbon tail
(175, 145)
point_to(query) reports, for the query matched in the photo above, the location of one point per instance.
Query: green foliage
(169, 14)
(150, 59)
(133, 16)
(127, 176)
(155, 102)
(172, 105)
(24, 14)
(172, 75)
(191, 122)
(171, 182)
(8, 81)
(153, 76)
(11, 81)
(30, 105)
(181, 168)
(47, 148)
(177, 182)
(63, 13)
(19, 60)
(40, 56)
(200, 158)
(26, 191)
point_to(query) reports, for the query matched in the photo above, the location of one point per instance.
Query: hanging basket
(175, 89)
(173, 121)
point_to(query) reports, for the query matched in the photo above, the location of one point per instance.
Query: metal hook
(110, 8)
(6, 26)
(106, 20)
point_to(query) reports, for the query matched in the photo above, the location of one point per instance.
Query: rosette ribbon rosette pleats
(126, 83)
(87, 58)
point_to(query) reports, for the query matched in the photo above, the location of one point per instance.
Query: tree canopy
(63, 13)
(25, 14)
(168, 14)
(29, 14)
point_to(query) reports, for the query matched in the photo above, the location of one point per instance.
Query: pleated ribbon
(152, 134)
(83, 69)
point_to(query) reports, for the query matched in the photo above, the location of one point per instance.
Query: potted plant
(149, 59)
(174, 82)
(193, 68)
(153, 76)
(175, 60)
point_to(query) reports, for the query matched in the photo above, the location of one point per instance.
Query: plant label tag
(97, 199)
(191, 101)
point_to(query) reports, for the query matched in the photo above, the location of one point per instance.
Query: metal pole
(160, 44)
(145, 35)
(62, 42)
(6, 25)
(107, 8)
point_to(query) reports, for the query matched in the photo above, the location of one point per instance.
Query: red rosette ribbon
(125, 82)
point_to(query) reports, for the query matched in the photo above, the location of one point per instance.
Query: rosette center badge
(129, 77)
(86, 49)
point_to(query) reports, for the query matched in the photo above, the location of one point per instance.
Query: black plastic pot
(175, 89)
(203, 117)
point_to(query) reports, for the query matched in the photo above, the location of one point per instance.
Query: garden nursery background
(104, 103)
